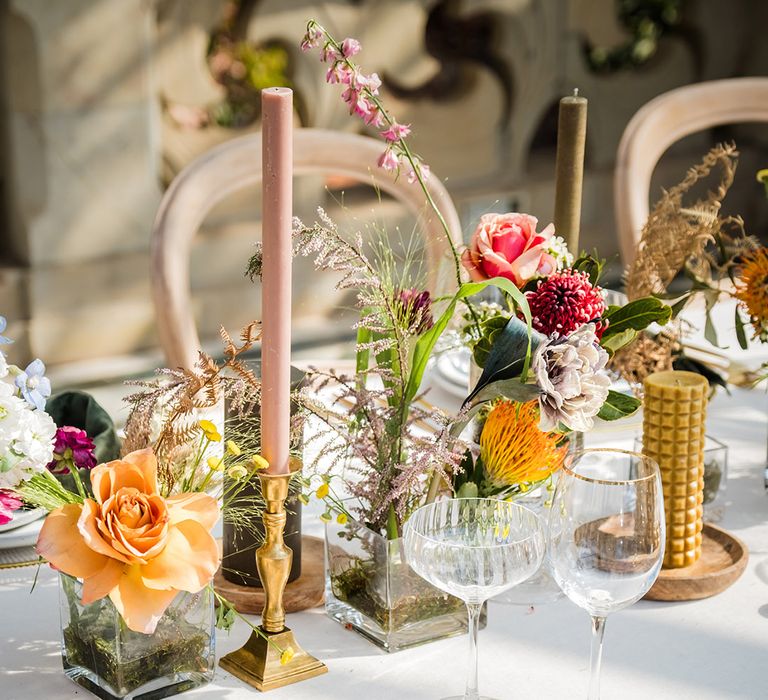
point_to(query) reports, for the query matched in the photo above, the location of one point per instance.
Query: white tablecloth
(705, 650)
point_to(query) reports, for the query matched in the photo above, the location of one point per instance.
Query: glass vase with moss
(101, 654)
(370, 588)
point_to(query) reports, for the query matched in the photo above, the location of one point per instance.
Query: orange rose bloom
(132, 544)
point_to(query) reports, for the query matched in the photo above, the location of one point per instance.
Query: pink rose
(507, 245)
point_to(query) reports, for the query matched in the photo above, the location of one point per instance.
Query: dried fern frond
(177, 396)
(676, 233)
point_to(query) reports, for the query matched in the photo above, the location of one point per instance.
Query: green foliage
(489, 331)
(591, 264)
(618, 405)
(637, 315)
(506, 370)
(426, 342)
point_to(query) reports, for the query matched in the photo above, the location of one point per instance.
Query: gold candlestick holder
(258, 662)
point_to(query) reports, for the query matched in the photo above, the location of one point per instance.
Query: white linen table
(711, 649)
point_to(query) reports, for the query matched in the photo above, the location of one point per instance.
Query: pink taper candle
(277, 204)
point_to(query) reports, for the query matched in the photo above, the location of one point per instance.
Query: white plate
(22, 517)
(24, 536)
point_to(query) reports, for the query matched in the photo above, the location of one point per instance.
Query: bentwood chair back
(664, 121)
(236, 165)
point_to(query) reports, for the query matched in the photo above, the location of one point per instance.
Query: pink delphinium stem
(395, 134)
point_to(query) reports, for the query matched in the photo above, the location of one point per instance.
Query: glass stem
(473, 616)
(595, 656)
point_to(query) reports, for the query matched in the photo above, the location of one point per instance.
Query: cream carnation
(570, 373)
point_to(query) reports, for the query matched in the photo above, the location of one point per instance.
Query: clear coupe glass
(474, 549)
(606, 536)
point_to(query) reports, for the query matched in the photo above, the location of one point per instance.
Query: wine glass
(606, 536)
(474, 548)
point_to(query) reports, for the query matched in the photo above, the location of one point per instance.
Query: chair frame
(664, 121)
(235, 166)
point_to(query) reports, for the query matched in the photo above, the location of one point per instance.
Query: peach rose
(132, 544)
(507, 245)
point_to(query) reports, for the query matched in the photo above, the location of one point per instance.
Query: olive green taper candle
(571, 138)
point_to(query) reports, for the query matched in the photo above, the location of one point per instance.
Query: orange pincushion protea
(513, 449)
(131, 544)
(752, 290)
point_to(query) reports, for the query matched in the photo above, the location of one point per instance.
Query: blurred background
(103, 102)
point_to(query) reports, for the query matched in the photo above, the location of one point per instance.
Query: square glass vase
(370, 588)
(113, 662)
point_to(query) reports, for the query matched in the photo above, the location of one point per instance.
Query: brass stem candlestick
(258, 661)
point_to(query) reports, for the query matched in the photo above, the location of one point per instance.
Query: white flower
(26, 440)
(558, 249)
(570, 373)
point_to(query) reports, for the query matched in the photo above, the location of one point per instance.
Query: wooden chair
(664, 121)
(235, 166)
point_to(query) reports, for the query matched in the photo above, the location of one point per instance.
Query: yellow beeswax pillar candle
(674, 418)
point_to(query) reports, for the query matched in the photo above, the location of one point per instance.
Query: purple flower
(34, 385)
(3, 324)
(72, 448)
(9, 502)
(414, 310)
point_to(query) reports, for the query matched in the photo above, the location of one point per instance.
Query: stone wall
(87, 142)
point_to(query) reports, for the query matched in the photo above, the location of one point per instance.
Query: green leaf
(740, 333)
(593, 266)
(362, 357)
(637, 315)
(710, 332)
(507, 358)
(679, 305)
(426, 343)
(511, 389)
(615, 342)
(618, 405)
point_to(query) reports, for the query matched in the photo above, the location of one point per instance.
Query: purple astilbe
(72, 449)
(382, 472)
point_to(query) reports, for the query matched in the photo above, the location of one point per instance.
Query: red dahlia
(565, 301)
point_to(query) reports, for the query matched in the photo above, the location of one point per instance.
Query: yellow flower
(207, 426)
(237, 471)
(752, 290)
(304, 499)
(342, 519)
(233, 448)
(287, 655)
(326, 517)
(322, 490)
(259, 462)
(216, 463)
(210, 430)
(514, 451)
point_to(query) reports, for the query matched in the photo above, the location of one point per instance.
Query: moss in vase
(354, 586)
(126, 660)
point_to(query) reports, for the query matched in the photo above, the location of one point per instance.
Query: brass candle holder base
(258, 663)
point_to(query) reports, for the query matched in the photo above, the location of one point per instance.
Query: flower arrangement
(547, 348)
(131, 537)
(132, 544)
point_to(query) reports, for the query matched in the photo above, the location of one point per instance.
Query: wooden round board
(723, 559)
(307, 591)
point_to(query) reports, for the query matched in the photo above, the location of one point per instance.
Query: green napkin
(80, 410)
